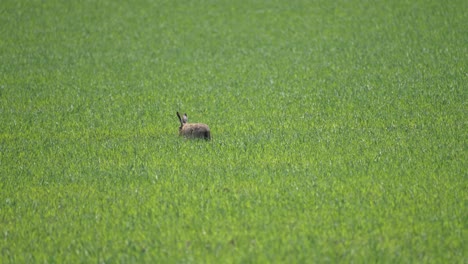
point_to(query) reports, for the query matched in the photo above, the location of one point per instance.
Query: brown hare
(193, 130)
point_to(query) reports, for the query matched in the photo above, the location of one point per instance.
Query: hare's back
(196, 130)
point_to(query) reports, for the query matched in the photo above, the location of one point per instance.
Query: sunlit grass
(338, 132)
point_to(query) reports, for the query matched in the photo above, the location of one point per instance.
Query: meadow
(338, 128)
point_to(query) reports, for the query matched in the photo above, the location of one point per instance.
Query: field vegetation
(338, 128)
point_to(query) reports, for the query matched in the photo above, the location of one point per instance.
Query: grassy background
(339, 131)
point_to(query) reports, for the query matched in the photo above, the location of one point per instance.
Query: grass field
(339, 131)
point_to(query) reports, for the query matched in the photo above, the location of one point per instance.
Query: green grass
(339, 131)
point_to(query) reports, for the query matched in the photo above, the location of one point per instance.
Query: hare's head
(194, 130)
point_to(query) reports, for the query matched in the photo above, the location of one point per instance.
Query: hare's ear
(185, 118)
(180, 119)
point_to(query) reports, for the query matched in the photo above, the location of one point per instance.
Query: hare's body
(193, 130)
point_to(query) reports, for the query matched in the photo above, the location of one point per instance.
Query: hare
(193, 130)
